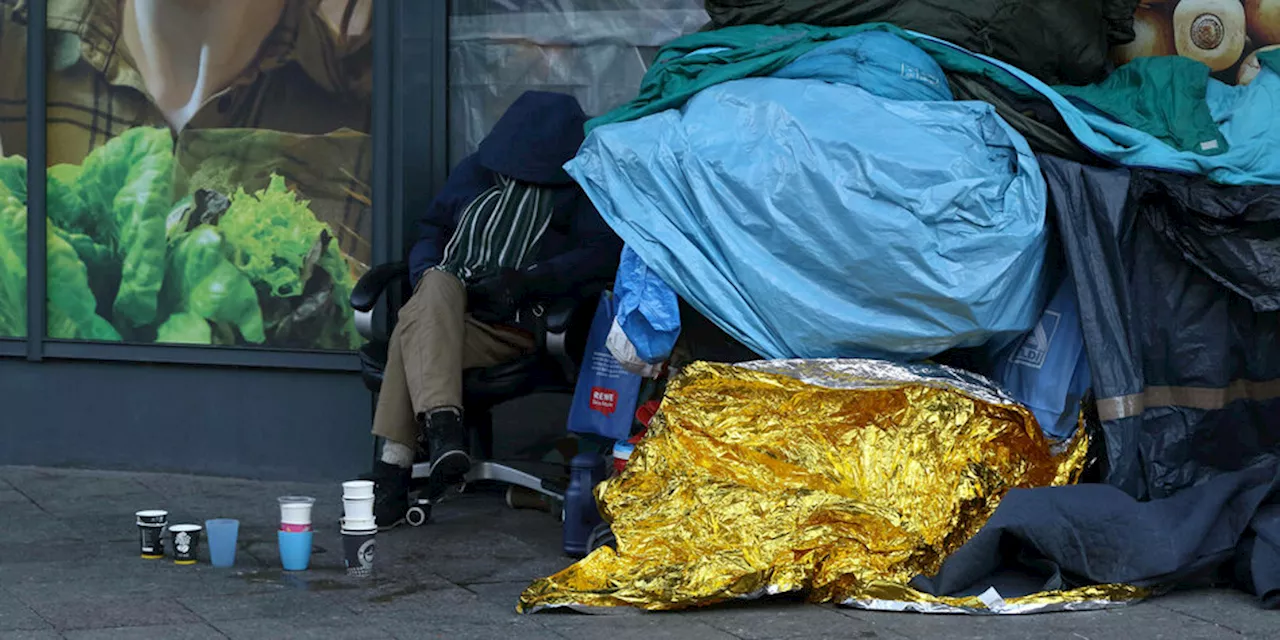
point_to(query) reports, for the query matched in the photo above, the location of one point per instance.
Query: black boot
(444, 437)
(390, 494)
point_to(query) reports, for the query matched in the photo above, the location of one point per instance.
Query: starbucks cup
(358, 547)
(295, 513)
(186, 542)
(151, 525)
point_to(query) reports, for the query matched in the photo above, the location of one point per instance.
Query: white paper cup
(358, 509)
(357, 489)
(361, 524)
(296, 509)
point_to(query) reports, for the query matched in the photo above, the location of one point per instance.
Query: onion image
(1211, 31)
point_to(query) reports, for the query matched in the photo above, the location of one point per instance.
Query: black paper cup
(358, 548)
(151, 526)
(185, 539)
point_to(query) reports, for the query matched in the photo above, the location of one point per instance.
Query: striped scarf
(498, 230)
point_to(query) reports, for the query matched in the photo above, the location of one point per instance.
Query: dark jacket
(535, 137)
(1058, 41)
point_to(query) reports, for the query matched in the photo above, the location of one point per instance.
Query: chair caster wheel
(418, 515)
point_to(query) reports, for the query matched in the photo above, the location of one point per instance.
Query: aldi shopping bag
(604, 401)
(1047, 370)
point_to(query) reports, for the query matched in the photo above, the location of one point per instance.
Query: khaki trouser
(433, 343)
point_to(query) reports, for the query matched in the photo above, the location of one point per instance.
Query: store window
(596, 50)
(209, 168)
(13, 178)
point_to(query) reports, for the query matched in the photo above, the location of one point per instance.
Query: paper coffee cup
(360, 524)
(358, 549)
(151, 524)
(296, 509)
(186, 542)
(357, 489)
(357, 509)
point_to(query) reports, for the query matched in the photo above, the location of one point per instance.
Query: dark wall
(252, 423)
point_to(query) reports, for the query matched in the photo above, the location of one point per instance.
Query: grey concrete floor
(69, 568)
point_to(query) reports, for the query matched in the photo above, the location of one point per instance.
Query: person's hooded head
(537, 135)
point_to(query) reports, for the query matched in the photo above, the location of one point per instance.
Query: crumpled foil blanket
(841, 479)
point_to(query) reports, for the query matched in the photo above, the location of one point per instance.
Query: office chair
(560, 336)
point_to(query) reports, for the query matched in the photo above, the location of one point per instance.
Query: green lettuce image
(205, 284)
(13, 262)
(127, 262)
(126, 188)
(71, 305)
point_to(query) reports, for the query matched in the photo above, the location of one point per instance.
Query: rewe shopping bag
(604, 401)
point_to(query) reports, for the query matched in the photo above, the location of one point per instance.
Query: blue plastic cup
(295, 549)
(222, 534)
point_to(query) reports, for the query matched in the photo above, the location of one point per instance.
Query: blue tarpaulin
(815, 218)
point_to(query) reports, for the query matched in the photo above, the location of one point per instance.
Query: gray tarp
(1177, 285)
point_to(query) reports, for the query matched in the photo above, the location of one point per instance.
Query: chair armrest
(552, 334)
(371, 286)
(559, 314)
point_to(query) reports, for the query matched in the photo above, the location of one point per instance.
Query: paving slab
(412, 629)
(26, 522)
(17, 616)
(49, 485)
(30, 635)
(630, 627)
(110, 611)
(278, 629)
(9, 494)
(314, 607)
(1138, 621)
(69, 567)
(199, 631)
(780, 619)
(1232, 610)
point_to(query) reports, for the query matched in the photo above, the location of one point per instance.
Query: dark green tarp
(1058, 41)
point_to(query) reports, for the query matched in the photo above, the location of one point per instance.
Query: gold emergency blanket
(842, 479)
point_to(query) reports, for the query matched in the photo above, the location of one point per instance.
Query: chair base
(484, 470)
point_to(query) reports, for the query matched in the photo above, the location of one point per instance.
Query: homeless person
(510, 228)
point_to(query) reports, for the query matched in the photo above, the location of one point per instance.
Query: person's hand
(497, 298)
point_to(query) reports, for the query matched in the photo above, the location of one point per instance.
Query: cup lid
(185, 527)
(358, 524)
(296, 500)
(152, 513)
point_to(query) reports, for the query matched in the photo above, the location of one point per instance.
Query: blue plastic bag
(648, 310)
(604, 401)
(1047, 369)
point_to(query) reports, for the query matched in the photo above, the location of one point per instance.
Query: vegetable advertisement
(132, 259)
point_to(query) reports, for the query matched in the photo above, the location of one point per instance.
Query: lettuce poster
(208, 170)
(13, 186)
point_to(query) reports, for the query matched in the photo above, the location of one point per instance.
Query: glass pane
(209, 170)
(13, 175)
(597, 50)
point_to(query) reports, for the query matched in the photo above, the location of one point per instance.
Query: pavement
(69, 568)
